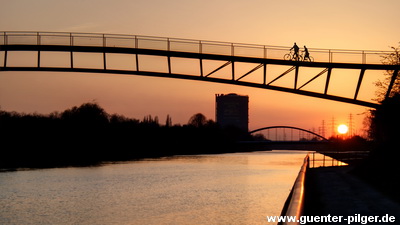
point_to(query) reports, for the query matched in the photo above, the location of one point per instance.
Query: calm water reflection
(239, 188)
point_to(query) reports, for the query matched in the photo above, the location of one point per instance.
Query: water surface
(240, 188)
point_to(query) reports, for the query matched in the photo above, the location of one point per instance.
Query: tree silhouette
(197, 120)
(88, 113)
(87, 135)
(392, 58)
(168, 121)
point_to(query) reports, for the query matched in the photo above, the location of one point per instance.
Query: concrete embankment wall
(294, 205)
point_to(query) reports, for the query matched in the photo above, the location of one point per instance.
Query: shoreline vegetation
(87, 136)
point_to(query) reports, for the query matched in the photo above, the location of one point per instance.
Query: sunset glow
(253, 22)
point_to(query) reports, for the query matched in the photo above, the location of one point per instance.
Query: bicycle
(291, 56)
(308, 59)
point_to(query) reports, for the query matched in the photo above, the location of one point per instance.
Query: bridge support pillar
(264, 73)
(137, 62)
(38, 59)
(5, 59)
(201, 68)
(359, 83)
(72, 59)
(394, 76)
(328, 78)
(169, 64)
(104, 61)
(233, 70)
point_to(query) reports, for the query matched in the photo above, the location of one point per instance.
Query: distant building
(232, 110)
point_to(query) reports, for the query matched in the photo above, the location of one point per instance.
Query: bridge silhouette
(287, 137)
(225, 55)
(310, 135)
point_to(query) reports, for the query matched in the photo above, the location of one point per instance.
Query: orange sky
(372, 25)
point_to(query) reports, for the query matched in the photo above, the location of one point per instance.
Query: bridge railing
(336, 158)
(185, 45)
(294, 204)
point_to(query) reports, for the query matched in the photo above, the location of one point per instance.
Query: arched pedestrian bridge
(221, 62)
(288, 133)
(287, 138)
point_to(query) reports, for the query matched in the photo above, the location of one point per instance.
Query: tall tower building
(232, 110)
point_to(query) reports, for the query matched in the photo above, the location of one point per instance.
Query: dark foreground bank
(87, 135)
(336, 191)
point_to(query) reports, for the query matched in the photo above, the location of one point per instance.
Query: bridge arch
(289, 127)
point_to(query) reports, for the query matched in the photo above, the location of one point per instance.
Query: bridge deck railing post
(37, 38)
(135, 42)
(265, 52)
(5, 52)
(363, 57)
(330, 56)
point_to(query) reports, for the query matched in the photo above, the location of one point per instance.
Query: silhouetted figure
(306, 54)
(296, 51)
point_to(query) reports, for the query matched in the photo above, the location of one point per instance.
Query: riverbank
(87, 135)
(336, 191)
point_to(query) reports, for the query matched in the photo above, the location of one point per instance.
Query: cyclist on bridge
(296, 51)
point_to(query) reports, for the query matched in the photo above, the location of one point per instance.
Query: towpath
(336, 192)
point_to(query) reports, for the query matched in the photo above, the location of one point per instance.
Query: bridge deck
(230, 53)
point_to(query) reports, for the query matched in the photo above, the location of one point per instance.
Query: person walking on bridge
(296, 51)
(306, 54)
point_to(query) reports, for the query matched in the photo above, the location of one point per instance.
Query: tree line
(88, 135)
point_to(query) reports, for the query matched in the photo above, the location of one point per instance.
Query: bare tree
(391, 79)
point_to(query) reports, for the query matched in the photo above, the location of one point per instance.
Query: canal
(238, 188)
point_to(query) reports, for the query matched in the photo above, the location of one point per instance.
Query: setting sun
(342, 129)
